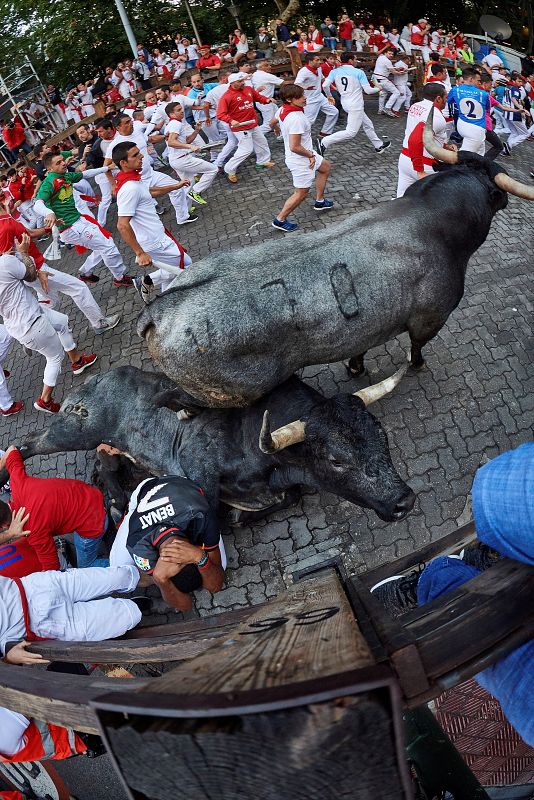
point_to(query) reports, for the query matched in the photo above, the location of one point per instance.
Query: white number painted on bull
(471, 109)
(145, 505)
(158, 515)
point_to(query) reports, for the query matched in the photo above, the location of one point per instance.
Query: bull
(253, 459)
(240, 323)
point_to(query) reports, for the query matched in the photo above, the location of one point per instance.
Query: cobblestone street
(474, 399)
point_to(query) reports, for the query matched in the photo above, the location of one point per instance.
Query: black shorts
(188, 579)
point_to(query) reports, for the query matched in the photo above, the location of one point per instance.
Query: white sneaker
(107, 323)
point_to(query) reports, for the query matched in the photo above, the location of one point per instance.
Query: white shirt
(383, 67)
(182, 129)
(311, 83)
(268, 81)
(192, 52)
(214, 95)
(139, 139)
(18, 304)
(435, 39)
(350, 82)
(296, 122)
(401, 80)
(149, 112)
(493, 61)
(11, 619)
(135, 201)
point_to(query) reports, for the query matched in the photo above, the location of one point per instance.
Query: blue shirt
(512, 93)
(472, 104)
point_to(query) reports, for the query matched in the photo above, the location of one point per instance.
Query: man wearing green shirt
(55, 202)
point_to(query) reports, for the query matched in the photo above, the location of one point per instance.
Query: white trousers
(179, 199)
(49, 335)
(248, 141)
(395, 98)
(425, 51)
(354, 122)
(6, 401)
(167, 253)
(369, 130)
(187, 166)
(518, 132)
(73, 606)
(29, 218)
(229, 147)
(267, 113)
(105, 202)
(312, 108)
(89, 235)
(12, 729)
(407, 174)
(213, 134)
(405, 93)
(474, 137)
(73, 287)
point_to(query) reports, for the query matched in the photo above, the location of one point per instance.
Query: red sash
(79, 247)
(288, 109)
(182, 250)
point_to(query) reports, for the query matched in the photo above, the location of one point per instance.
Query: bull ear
(378, 390)
(289, 434)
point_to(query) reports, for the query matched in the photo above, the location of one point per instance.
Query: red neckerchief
(315, 71)
(124, 177)
(287, 109)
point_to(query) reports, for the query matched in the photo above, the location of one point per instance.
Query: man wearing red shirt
(378, 42)
(14, 136)
(236, 108)
(56, 506)
(344, 29)
(21, 187)
(208, 60)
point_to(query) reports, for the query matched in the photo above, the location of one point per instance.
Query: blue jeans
(330, 43)
(510, 680)
(87, 551)
(346, 43)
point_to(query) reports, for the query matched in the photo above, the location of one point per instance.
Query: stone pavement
(474, 399)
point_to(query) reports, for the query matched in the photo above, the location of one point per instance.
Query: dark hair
(11, 172)
(434, 56)
(291, 91)
(5, 514)
(47, 159)
(120, 152)
(469, 72)
(309, 57)
(433, 90)
(37, 149)
(169, 108)
(104, 122)
(435, 68)
(82, 125)
(164, 86)
(116, 121)
(188, 579)
(346, 57)
(485, 77)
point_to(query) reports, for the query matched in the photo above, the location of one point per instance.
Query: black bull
(342, 447)
(242, 322)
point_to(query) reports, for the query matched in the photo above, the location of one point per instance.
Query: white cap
(237, 76)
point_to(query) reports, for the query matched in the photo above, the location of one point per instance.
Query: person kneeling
(172, 535)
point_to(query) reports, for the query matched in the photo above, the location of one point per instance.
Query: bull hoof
(418, 366)
(185, 413)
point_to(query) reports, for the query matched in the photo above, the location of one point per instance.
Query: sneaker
(398, 594)
(107, 323)
(191, 218)
(232, 177)
(380, 112)
(506, 149)
(50, 407)
(321, 149)
(396, 113)
(383, 147)
(126, 280)
(323, 205)
(480, 556)
(285, 225)
(145, 287)
(83, 363)
(267, 165)
(14, 408)
(89, 278)
(197, 198)
(389, 113)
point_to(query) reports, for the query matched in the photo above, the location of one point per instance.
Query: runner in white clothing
(350, 83)
(309, 77)
(382, 73)
(212, 100)
(181, 143)
(265, 83)
(140, 226)
(7, 405)
(178, 197)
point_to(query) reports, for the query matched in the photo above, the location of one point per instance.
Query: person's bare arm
(161, 191)
(128, 236)
(180, 551)
(174, 141)
(27, 260)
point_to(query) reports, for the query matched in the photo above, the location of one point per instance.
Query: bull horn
(378, 390)
(289, 434)
(448, 156)
(514, 187)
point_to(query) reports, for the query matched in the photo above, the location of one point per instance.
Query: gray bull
(239, 323)
(334, 444)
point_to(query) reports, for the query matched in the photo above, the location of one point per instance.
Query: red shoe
(7, 373)
(89, 278)
(126, 280)
(50, 406)
(83, 362)
(397, 114)
(13, 409)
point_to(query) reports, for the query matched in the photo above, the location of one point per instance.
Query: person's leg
(407, 175)
(354, 121)
(168, 254)
(88, 235)
(496, 145)
(474, 137)
(267, 113)
(369, 130)
(298, 197)
(6, 401)
(179, 199)
(87, 550)
(331, 114)
(105, 195)
(382, 96)
(393, 92)
(311, 111)
(229, 147)
(245, 147)
(407, 96)
(519, 133)
(321, 176)
(43, 339)
(12, 729)
(73, 287)
(261, 147)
